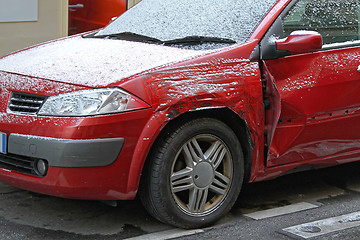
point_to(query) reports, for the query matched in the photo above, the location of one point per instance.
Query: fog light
(41, 167)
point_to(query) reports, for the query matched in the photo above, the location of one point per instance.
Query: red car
(182, 103)
(86, 15)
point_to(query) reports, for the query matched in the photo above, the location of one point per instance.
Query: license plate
(3, 143)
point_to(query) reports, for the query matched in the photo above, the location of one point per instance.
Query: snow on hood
(92, 62)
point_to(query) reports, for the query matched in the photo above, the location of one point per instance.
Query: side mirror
(300, 42)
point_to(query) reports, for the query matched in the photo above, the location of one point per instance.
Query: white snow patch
(92, 62)
(173, 19)
(304, 32)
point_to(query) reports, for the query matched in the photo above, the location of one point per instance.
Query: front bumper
(89, 158)
(67, 152)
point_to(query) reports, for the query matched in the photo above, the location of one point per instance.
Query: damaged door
(318, 87)
(272, 105)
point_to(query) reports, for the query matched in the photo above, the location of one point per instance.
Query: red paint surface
(220, 80)
(95, 14)
(300, 43)
(108, 182)
(84, 183)
(318, 119)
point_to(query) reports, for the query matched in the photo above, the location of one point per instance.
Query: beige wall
(52, 23)
(132, 3)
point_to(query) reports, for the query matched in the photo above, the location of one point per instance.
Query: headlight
(91, 102)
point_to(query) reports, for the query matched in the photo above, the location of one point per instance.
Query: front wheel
(194, 175)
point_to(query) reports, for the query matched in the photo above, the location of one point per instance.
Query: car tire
(194, 175)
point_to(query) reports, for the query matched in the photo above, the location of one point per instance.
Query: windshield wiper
(126, 36)
(198, 40)
(189, 40)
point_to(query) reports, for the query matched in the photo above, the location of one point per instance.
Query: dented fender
(220, 83)
(221, 80)
(232, 83)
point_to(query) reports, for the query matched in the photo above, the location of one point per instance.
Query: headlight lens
(90, 102)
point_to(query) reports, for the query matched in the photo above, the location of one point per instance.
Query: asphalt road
(320, 204)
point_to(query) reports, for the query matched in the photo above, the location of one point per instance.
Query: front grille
(17, 163)
(25, 103)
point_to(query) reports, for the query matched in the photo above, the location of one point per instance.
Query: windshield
(167, 20)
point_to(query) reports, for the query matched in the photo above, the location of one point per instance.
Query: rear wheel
(194, 175)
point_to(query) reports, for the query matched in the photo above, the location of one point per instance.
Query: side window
(336, 20)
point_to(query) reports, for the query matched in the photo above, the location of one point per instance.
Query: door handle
(358, 68)
(77, 6)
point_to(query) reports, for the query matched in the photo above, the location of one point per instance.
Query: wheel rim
(201, 174)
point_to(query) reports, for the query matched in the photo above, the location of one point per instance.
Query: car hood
(91, 62)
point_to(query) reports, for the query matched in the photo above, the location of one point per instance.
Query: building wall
(132, 3)
(52, 23)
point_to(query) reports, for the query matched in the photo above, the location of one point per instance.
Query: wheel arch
(225, 115)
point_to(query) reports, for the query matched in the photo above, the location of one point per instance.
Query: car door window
(336, 20)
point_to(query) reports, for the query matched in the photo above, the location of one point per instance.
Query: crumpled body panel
(320, 107)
